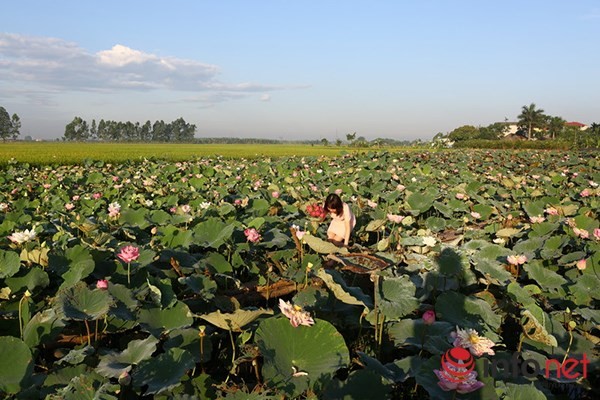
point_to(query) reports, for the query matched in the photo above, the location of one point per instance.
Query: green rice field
(75, 153)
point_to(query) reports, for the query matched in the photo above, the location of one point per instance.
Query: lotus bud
(429, 317)
(124, 379)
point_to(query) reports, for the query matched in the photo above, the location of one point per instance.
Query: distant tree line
(532, 124)
(116, 131)
(10, 127)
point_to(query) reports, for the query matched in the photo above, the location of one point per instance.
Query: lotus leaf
(158, 320)
(9, 263)
(322, 246)
(42, 327)
(34, 278)
(345, 294)
(213, 232)
(16, 364)
(432, 338)
(81, 303)
(543, 276)
(395, 298)
(113, 364)
(468, 312)
(80, 266)
(296, 359)
(536, 331)
(234, 321)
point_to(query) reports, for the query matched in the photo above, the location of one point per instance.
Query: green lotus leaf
(395, 298)
(113, 364)
(200, 284)
(535, 208)
(296, 359)
(76, 356)
(520, 294)
(158, 320)
(349, 295)
(235, 321)
(213, 233)
(321, 246)
(484, 210)
(34, 278)
(361, 384)
(543, 276)
(435, 224)
(375, 225)
(468, 312)
(544, 228)
(163, 372)
(134, 217)
(81, 303)
(9, 263)
(433, 338)
(159, 217)
(516, 391)
(507, 232)
(173, 237)
(43, 327)
(80, 266)
(189, 339)
(16, 364)
(418, 203)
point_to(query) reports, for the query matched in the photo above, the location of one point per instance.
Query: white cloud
(265, 97)
(120, 56)
(52, 64)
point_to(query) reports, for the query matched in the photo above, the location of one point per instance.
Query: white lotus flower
(22, 237)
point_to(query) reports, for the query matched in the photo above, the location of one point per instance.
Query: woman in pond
(342, 220)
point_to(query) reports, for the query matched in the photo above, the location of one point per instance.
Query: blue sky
(299, 69)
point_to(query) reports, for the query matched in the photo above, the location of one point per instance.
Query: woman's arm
(347, 225)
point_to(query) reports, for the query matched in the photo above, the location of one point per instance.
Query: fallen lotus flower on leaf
(296, 314)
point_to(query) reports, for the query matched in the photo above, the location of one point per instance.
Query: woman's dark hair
(334, 202)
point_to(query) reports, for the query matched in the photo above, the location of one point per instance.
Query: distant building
(582, 127)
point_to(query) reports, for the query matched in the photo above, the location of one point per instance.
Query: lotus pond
(210, 278)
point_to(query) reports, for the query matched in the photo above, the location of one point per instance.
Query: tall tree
(531, 118)
(5, 124)
(556, 126)
(77, 130)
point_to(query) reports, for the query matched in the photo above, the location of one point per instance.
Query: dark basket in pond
(359, 263)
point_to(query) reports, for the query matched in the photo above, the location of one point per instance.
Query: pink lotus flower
(582, 233)
(96, 195)
(551, 211)
(275, 194)
(75, 198)
(186, 209)
(338, 191)
(467, 384)
(252, 235)
(129, 253)
(395, 218)
(102, 284)
(69, 206)
(461, 196)
(400, 187)
(516, 260)
(114, 209)
(429, 317)
(537, 219)
(585, 192)
(475, 214)
(597, 233)
(371, 204)
(581, 264)
(296, 314)
(469, 339)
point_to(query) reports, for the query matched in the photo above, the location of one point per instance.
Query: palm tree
(531, 118)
